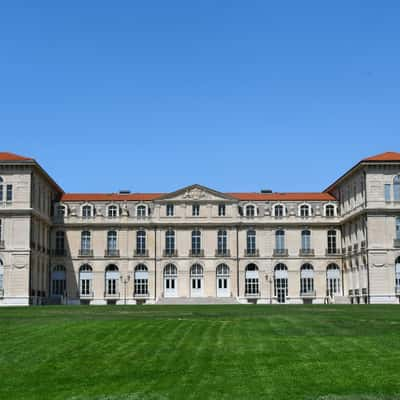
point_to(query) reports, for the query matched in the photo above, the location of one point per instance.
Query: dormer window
(250, 211)
(61, 211)
(196, 210)
(87, 211)
(279, 210)
(305, 210)
(329, 210)
(112, 211)
(170, 210)
(141, 211)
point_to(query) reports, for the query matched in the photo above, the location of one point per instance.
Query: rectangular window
(170, 210)
(1, 232)
(251, 286)
(398, 228)
(388, 189)
(141, 287)
(195, 210)
(221, 210)
(9, 193)
(1, 193)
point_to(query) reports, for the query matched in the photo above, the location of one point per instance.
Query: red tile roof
(283, 196)
(5, 156)
(388, 156)
(238, 196)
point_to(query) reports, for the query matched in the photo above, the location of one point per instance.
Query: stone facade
(340, 245)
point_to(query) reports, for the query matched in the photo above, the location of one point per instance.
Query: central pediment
(196, 193)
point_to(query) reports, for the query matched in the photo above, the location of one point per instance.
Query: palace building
(198, 245)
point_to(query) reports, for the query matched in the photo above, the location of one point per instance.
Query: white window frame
(309, 210)
(170, 210)
(108, 210)
(274, 210)
(255, 210)
(91, 210)
(334, 210)
(146, 210)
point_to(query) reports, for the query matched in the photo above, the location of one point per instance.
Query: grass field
(200, 352)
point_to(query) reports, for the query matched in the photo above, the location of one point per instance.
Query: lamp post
(125, 281)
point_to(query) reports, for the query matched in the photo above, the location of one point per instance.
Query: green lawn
(200, 352)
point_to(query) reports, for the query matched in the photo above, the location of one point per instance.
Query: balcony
(196, 253)
(306, 252)
(146, 294)
(396, 243)
(141, 253)
(111, 295)
(85, 253)
(170, 253)
(355, 248)
(59, 252)
(222, 253)
(308, 294)
(111, 253)
(281, 253)
(252, 294)
(86, 295)
(2, 244)
(332, 252)
(251, 253)
(363, 244)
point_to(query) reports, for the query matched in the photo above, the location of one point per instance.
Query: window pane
(387, 192)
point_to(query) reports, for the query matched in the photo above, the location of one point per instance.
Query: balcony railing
(141, 294)
(308, 293)
(170, 253)
(86, 295)
(59, 252)
(363, 244)
(222, 253)
(355, 248)
(111, 295)
(252, 294)
(281, 252)
(251, 253)
(85, 253)
(2, 244)
(196, 253)
(141, 253)
(396, 243)
(111, 253)
(306, 252)
(332, 251)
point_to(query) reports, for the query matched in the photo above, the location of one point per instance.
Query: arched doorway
(281, 282)
(170, 281)
(223, 281)
(196, 280)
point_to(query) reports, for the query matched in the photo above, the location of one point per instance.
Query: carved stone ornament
(195, 194)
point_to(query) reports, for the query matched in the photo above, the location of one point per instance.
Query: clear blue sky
(236, 95)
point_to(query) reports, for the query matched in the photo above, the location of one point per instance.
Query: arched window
(170, 242)
(141, 243)
(85, 240)
(280, 282)
(196, 270)
(306, 240)
(111, 241)
(1, 189)
(306, 279)
(141, 211)
(398, 228)
(396, 188)
(87, 211)
(279, 210)
(332, 280)
(280, 241)
(60, 243)
(85, 280)
(222, 270)
(250, 211)
(196, 243)
(251, 242)
(252, 287)
(305, 210)
(222, 243)
(329, 210)
(332, 242)
(141, 280)
(1, 277)
(112, 279)
(170, 271)
(112, 211)
(58, 280)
